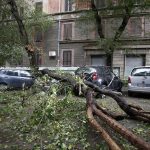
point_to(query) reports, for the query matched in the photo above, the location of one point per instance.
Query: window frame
(38, 33)
(39, 7)
(131, 26)
(72, 57)
(63, 30)
(68, 5)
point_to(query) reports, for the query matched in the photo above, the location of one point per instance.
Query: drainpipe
(58, 37)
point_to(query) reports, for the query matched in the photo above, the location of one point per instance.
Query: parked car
(102, 76)
(15, 79)
(139, 80)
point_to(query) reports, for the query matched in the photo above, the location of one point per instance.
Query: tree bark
(98, 19)
(23, 33)
(132, 112)
(123, 24)
(93, 108)
(111, 143)
(132, 138)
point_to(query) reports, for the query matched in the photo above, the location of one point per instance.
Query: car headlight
(100, 80)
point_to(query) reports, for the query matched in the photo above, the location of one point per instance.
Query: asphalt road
(142, 100)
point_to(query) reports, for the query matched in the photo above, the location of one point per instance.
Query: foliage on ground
(35, 120)
(42, 120)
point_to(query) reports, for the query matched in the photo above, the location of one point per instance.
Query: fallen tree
(93, 109)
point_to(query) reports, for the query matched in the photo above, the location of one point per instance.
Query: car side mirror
(116, 77)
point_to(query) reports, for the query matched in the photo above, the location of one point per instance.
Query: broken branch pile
(93, 109)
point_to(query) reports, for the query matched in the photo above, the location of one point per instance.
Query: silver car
(139, 80)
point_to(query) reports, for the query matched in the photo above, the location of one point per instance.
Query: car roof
(13, 69)
(141, 67)
(95, 66)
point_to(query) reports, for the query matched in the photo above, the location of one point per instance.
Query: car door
(26, 78)
(13, 79)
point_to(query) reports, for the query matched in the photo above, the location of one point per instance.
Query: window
(25, 74)
(38, 37)
(100, 3)
(39, 59)
(135, 26)
(38, 7)
(67, 31)
(69, 5)
(67, 58)
(12, 73)
(81, 4)
(145, 71)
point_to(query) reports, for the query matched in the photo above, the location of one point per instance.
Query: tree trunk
(111, 143)
(23, 34)
(132, 138)
(132, 112)
(93, 108)
(98, 19)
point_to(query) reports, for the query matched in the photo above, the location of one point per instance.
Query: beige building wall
(118, 61)
(148, 58)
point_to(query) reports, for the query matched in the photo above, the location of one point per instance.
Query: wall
(51, 6)
(50, 44)
(118, 61)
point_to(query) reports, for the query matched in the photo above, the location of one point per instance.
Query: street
(141, 100)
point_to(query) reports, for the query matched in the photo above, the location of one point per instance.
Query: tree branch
(22, 30)
(111, 143)
(98, 20)
(123, 24)
(31, 50)
(135, 140)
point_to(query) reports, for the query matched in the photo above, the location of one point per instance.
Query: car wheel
(3, 87)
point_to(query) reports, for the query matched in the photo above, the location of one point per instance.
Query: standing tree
(17, 23)
(122, 9)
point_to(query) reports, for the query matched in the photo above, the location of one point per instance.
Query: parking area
(140, 99)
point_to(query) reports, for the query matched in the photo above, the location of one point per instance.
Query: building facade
(70, 42)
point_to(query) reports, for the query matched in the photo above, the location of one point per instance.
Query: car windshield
(103, 71)
(141, 72)
(85, 70)
(2, 71)
(100, 70)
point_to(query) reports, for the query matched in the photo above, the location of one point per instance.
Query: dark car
(15, 79)
(102, 76)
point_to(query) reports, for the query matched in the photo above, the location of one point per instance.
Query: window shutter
(135, 26)
(67, 31)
